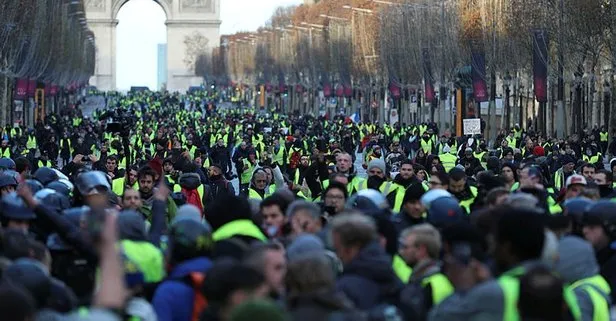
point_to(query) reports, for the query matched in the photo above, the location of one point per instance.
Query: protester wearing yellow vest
(578, 267)
(377, 180)
(519, 254)
(458, 186)
(420, 248)
(258, 187)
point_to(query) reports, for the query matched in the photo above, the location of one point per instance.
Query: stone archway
(192, 26)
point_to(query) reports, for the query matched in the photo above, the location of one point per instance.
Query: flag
(540, 64)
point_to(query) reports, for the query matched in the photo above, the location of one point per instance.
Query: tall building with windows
(162, 66)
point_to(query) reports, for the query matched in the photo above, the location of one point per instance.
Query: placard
(471, 126)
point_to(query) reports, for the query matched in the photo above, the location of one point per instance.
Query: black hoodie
(369, 279)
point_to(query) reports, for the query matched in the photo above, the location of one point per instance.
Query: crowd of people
(164, 207)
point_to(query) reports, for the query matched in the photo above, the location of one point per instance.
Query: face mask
(605, 190)
(375, 182)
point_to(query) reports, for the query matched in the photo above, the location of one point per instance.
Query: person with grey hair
(522, 200)
(368, 278)
(311, 290)
(305, 217)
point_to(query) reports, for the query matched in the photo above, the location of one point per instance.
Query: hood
(200, 264)
(330, 300)
(373, 263)
(131, 226)
(189, 181)
(576, 259)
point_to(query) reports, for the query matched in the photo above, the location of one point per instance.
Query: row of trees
(368, 43)
(46, 41)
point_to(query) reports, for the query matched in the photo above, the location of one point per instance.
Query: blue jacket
(369, 279)
(173, 298)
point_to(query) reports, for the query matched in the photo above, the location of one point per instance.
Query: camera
(121, 121)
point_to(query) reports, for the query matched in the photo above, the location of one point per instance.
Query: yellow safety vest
(510, 285)
(403, 271)
(7, 152)
(31, 144)
(441, 287)
(603, 137)
(511, 142)
(238, 227)
(592, 159)
(426, 146)
(118, 186)
(253, 194)
(279, 156)
(479, 156)
(597, 289)
(44, 164)
(448, 160)
(246, 172)
(466, 204)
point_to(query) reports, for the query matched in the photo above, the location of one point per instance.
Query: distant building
(162, 66)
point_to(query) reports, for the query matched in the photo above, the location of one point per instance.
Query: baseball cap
(576, 179)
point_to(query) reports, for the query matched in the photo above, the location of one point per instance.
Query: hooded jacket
(576, 261)
(369, 279)
(173, 298)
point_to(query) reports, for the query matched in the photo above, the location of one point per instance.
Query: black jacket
(369, 279)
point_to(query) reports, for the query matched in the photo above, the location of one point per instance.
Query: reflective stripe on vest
(441, 287)
(238, 227)
(597, 289)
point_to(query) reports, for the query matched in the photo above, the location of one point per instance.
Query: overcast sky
(142, 27)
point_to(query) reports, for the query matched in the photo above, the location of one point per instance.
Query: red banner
(31, 88)
(339, 91)
(21, 89)
(348, 91)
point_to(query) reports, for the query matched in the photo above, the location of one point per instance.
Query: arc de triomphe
(193, 26)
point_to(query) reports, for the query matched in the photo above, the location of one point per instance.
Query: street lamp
(577, 80)
(607, 95)
(507, 84)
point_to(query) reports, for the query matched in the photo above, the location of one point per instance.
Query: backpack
(192, 197)
(195, 281)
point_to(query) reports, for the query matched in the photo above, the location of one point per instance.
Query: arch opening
(141, 41)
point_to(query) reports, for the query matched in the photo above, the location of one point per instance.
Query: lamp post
(607, 96)
(521, 114)
(577, 111)
(507, 84)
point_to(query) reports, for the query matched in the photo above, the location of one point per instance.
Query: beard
(374, 182)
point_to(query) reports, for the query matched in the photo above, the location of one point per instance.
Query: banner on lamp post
(428, 86)
(540, 64)
(21, 89)
(478, 76)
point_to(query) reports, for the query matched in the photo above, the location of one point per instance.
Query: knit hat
(566, 159)
(187, 212)
(378, 163)
(538, 151)
(303, 245)
(576, 259)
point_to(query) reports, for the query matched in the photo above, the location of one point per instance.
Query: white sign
(413, 104)
(471, 126)
(393, 116)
